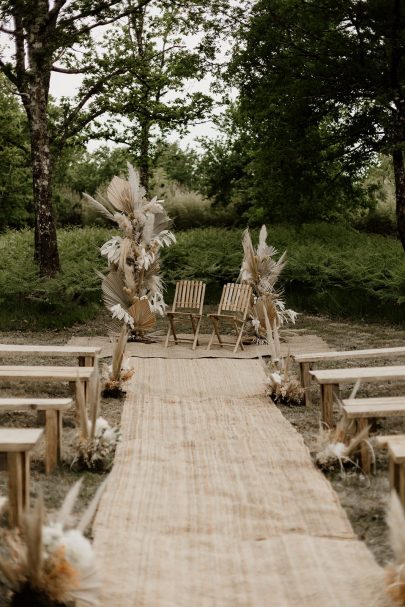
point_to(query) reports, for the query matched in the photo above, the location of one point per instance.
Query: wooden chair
(233, 308)
(189, 297)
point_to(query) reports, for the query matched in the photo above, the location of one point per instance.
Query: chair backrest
(189, 294)
(235, 298)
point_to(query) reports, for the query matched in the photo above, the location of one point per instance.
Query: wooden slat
(370, 374)
(25, 372)
(19, 439)
(374, 410)
(42, 404)
(10, 349)
(396, 450)
(383, 440)
(348, 354)
(376, 400)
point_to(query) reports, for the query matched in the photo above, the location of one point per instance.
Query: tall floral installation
(261, 271)
(133, 287)
(268, 313)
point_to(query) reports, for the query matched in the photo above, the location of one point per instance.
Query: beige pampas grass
(52, 565)
(261, 271)
(115, 375)
(133, 289)
(395, 572)
(337, 446)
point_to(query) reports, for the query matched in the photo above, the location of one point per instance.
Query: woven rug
(214, 501)
(294, 343)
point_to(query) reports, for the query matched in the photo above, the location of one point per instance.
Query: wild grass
(330, 268)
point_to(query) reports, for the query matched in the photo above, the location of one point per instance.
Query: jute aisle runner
(213, 501)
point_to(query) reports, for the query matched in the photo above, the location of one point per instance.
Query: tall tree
(322, 89)
(45, 35)
(151, 93)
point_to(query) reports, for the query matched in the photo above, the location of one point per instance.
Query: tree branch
(66, 70)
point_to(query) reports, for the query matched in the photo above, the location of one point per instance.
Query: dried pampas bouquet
(52, 565)
(120, 370)
(282, 388)
(395, 571)
(97, 440)
(261, 271)
(133, 287)
(337, 446)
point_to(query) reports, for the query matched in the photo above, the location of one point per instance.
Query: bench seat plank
(312, 357)
(10, 349)
(19, 439)
(383, 440)
(396, 450)
(41, 404)
(45, 373)
(354, 411)
(351, 375)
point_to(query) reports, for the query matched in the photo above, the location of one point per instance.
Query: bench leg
(306, 381)
(18, 486)
(402, 484)
(52, 431)
(393, 473)
(365, 460)
(327, 395)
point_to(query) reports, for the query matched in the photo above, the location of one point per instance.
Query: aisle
(214, 502)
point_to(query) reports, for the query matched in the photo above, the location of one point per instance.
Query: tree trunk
(46, 247)
(144, 168)
(399, 173)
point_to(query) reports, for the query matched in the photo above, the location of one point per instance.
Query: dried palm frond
(113, 289)
(144, 319)
(395, 571)
(53, 564)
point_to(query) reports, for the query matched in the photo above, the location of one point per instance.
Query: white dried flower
(119, 312)
(112, 249)
(78, 549)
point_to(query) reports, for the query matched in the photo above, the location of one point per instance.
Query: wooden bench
(363, 409)
(308, 360)
(17, 444)
(395, 443)
(73, 375)
(330, 379)
(53, 408)
(86, 355)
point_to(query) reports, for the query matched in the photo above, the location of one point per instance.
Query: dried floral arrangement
(120, 371)
(133, 288)
(395, 571)
(337, 446)
(52, 565)
(282, 388)
(96, 441)
(261, 271)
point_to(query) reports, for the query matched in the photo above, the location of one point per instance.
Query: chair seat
(229, 316)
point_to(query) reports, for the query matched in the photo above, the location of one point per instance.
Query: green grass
(331, 269)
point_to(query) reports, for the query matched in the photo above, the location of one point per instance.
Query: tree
(44, 38)
(150, 92)
(322, 91)
(15, 193)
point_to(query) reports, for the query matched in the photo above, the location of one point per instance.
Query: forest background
(309, 109)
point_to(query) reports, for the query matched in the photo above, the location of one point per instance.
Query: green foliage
(320, 92)
(29, 301)
(15, 178)
(330, 268)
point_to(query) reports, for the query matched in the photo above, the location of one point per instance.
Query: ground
(364, 498)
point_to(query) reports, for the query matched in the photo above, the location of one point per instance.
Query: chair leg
(168, 336)
(214, 323)
(197, 329)
(238, 341)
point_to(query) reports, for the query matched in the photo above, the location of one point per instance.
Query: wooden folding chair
(189, 296)
(235, 298)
